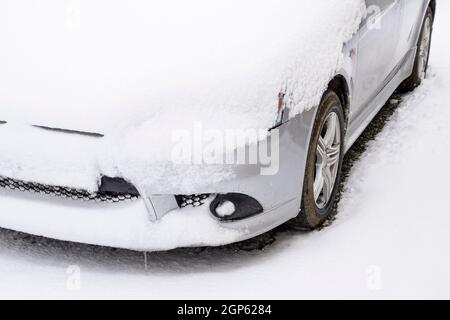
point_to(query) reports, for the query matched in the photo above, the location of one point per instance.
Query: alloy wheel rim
(328, 153)
(424, 49)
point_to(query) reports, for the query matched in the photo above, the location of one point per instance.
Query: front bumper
(140, 224)
(126, 224)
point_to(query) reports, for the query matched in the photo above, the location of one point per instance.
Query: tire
(316, 209)
(422, 55)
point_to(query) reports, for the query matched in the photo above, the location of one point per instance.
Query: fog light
(225, 209)
(235, 206)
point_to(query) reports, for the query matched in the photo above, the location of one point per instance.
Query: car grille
(195, 200)
(64, 192)
(184, 201)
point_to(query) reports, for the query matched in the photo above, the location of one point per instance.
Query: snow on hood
(137, 70)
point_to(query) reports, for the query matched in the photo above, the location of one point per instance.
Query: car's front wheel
(324, 163)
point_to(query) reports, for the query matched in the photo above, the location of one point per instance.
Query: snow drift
(135, 71)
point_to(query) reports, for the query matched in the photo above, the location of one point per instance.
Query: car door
(377, 50)
(412, 14)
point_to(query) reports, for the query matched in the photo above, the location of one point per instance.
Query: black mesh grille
(69, 193)
(194, 200)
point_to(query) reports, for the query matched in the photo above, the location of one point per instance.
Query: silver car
(389, 52)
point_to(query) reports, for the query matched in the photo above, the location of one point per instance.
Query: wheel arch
(340, 86)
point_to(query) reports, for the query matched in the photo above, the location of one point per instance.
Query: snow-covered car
(152, 125)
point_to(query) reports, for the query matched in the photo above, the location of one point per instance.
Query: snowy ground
(390, 238)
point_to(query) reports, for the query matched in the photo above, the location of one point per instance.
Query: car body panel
(362, 111)
(375, 61)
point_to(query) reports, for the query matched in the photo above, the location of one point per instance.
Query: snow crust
(138, 72)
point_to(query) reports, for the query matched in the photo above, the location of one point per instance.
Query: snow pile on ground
(137, 72)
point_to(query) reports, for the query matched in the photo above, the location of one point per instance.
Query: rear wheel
(324, 164)
(422, 56)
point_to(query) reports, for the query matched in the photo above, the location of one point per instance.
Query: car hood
(95, 65)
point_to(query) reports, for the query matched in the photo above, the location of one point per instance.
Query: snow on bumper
(123, 225)
(127, 224)
(54, 158)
